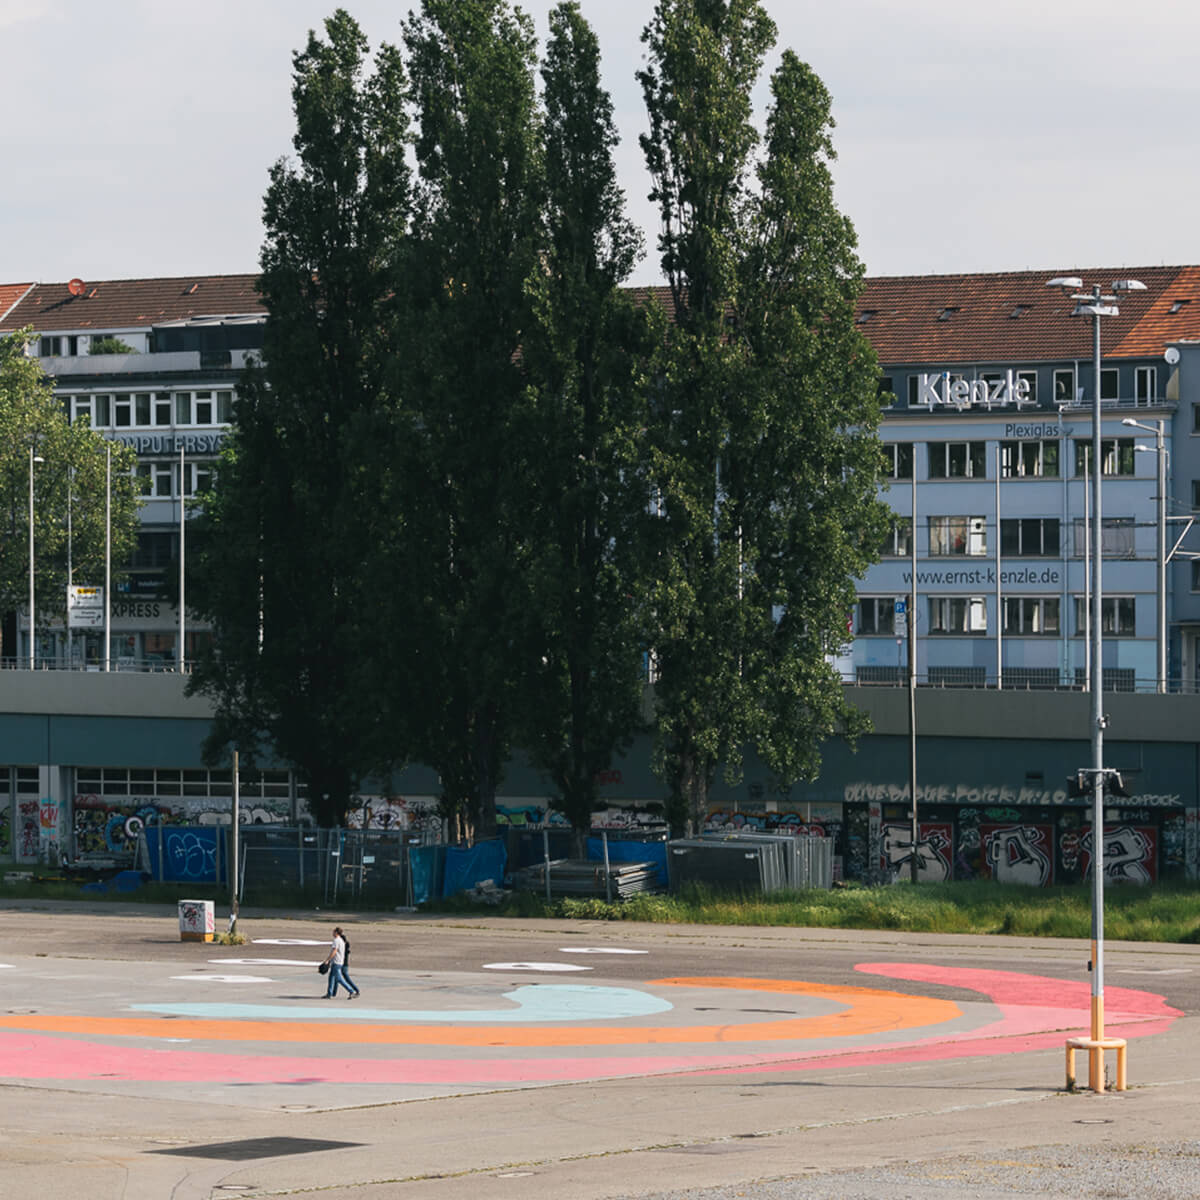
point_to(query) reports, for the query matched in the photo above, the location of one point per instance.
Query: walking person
(336, 958)
(350, 985)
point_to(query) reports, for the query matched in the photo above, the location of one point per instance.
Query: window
(94, 410)
(957, 614)
(1196, 574)
(1029, 460)
(122, 411)
(1065, 389)
(1116, 616)
(1145, 385)
(875, 615)
(880, 674)
(157, 479)
(887, 392)
(1116, 456)
(1030, 537)
(199, 477)
(1031, 616)
(1195, 495)
(1030, 378)
(160, 480)
(153, 549)
(203, 408)
(1196, 418)
(1116, 537)
(1110, 383)
(898, 460)
(49, 347)
(957, 460)
(898, 543)
(914, 388)
(957, 535)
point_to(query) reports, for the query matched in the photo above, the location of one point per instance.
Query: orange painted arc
(867, 1011)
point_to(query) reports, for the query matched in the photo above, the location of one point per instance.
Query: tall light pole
(914, 865)
(182, 516)
(1158, 429)
(33, 458)
(1096, 304)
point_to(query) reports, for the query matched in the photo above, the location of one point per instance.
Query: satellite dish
(76, 287)
(1171, 354)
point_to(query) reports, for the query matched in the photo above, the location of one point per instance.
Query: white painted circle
(533, 966)
(265, 962)
(225, 978)
(598, 950)
(288, 942)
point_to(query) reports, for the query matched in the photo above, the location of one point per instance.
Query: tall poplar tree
(586, 350)
(281, 563)
(763, 452)
(476, 225)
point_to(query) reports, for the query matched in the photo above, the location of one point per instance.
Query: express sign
(946, 390)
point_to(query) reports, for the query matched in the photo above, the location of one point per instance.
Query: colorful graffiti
(29, 822)
(1018, 853)
(1130, 853)
(934, 845)
(106, 826)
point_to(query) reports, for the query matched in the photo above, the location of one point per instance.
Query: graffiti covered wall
(103, 825)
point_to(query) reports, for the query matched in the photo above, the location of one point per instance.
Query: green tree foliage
(584, 410)
(110, 345)
(476, 241)
(282, 554)
(763, 450)
(70, 489)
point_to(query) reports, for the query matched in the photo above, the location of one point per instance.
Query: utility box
(197, 921)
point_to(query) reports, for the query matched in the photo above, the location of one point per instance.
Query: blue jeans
(336, 976)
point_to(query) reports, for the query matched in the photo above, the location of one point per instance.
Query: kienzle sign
(943, 389)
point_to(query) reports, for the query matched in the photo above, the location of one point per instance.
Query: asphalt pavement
(580, 1059)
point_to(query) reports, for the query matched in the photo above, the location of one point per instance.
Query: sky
(971, 136)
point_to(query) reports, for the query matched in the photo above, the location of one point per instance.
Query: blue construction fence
(349, 864)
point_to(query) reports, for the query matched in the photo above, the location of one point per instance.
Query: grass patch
(1159, 913)
(1162, 913)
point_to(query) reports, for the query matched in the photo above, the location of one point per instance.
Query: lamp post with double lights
(1096, 303)
(33, 458)
(1158, 429)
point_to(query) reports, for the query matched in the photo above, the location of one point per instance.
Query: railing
(979, 679)
(122, 663)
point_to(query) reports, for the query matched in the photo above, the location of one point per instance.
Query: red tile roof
(10, 293)
(1014, 317)
(133, 303)
(944, 319)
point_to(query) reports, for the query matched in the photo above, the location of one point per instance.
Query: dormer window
(1177, 306)
(867, 314)
(947, 313)
(1019, 311)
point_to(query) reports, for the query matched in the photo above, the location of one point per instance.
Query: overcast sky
(971, 136)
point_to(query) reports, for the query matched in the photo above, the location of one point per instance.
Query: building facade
(152, 363)
(989, 386)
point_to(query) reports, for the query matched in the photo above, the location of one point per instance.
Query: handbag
(323, 969)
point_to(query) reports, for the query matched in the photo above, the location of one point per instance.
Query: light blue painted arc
(535, 1004)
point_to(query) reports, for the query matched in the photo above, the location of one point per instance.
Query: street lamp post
(1096, 304)
(33, 458)
(1161, 594)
